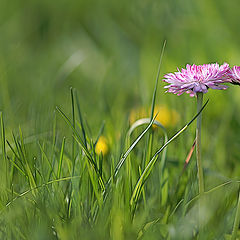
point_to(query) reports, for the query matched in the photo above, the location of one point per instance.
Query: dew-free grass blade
(149, 141)
(10, 146)
(146, 227)
(156, 82)
(74, 126)
(213, 190)
(143, 121)
(37, 187)
(76, 133)
(80, 118)
(16, 166)
(60, 159)
(73, 158)
(21, 150)
(91, 161)
(51, 171)
(18, 152)
(99, 133)
(23, 154)
(82, 145)
(122, 160)
(149, 167)
(54, 140)
(22, 145)
(175, 208)
(94, 185)
(3, 142)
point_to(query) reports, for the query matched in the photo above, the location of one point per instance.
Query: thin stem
(198, 144)
(199, 163)
(236, 220)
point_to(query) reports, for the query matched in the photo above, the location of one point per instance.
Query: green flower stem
(198, 144)
(236, 220)
(199, 164)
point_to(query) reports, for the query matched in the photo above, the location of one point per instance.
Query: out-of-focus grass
(109, 52)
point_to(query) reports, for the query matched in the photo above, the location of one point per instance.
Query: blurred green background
(109, 51)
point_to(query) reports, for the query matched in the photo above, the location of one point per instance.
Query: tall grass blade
(82, 145)
(19, 153)
(74, 126)
(54, 139)
(48, 162)
(157, 78)
(61, 159)
(16, 166)
(3, 138)
(122, 160)
(80, 119)
(23, 154)
(150, 139)
(99, 133)
(12, 149)
(73, 158)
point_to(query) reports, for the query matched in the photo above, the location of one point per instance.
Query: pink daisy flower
(197, 78)
(234, 75)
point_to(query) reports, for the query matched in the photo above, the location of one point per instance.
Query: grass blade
(74, 126)
(99, 133)
(122, 160)
(60, 159)
(48, 162)
(82, 145)
(80, 119)
(156, 82)
(37, 187)
(4, 147)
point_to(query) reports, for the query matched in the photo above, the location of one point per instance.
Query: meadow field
(80, 88)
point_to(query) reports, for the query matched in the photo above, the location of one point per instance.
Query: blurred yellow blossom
(136, 114)
(102, 146)
(166, 116)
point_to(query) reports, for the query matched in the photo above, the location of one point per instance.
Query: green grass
(58, 188)
(71, 73)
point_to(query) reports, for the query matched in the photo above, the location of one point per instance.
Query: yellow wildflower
(136, 114)
(102, 146)
(166, 116)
